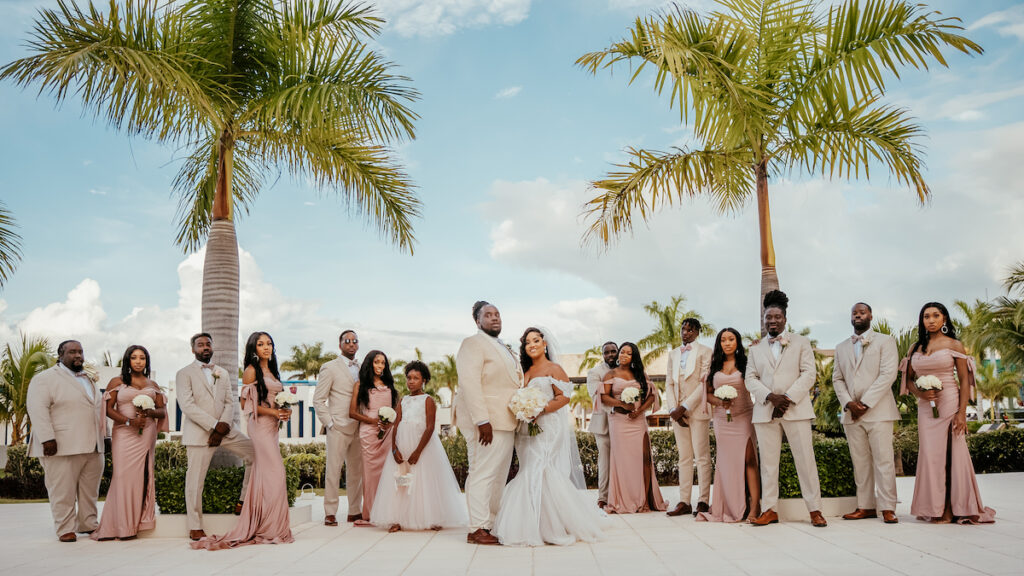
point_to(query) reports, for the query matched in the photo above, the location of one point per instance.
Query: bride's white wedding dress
(546, 502)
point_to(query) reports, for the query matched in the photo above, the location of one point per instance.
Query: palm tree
(997, 385)
(307, 360)
(668, 318)
(827, 408)
(444, 373)
(17, 369)
(770, 87)
(1000, 323)
(905, 339)
(10, 245)
(591, 357)
(581, 397)
(247, 89)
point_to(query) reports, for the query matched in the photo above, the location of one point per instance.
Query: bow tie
(856, 338)
(353, 363)
(775, 339)
(686, 348)
(207, 367)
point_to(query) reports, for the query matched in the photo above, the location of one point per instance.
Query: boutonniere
(91, 374)
(864, 341)
(510, 350)
(216, 376)
(784, 341)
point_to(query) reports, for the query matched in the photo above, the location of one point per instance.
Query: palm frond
(1015, 278)
(10, 244)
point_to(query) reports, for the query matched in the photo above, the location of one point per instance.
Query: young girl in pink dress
(376, 390)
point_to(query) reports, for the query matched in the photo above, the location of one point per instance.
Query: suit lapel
(79, 385)
(691, 361)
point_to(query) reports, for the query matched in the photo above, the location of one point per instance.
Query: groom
(489, 373)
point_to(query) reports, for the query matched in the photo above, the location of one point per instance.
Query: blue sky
(510, 132)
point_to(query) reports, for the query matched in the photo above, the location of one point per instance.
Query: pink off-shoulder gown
(630, 453)
(729, 500)
(375, 450)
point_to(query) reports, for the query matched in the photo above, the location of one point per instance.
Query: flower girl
(417, 487)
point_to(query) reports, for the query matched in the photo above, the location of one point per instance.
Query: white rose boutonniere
(784, 341)
(865, 340)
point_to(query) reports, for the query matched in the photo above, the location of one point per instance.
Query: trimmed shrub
(999, 451)
(905, 444)
(310, 467)
(220, 492)
(23, 476)
(835, 470)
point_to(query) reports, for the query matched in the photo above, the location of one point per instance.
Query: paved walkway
(636, 545)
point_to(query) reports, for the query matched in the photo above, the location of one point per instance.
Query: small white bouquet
(285, 400)
(527, 404)
(726, 392)
(404, 476)
(930, 383)
(385, 414)
(143, 402)
(630, 395)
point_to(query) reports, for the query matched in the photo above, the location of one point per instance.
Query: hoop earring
(944, 329)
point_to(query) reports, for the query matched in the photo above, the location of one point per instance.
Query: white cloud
(510, 92)
(1009, 22)
(967, 106)
(97, 192)
(444, 17)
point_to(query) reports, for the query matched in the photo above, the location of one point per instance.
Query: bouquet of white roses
(385, 414)
(285, 400)
(630, 395)
(930, 383)
(527, 404)
(726, 392)
(143, 402)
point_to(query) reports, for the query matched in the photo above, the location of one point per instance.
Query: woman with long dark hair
(264, 518)
(131, 499)
(945, 489)
(737, 477)
(376, 438)
(632, 484)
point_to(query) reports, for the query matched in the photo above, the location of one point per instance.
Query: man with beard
(599, 417)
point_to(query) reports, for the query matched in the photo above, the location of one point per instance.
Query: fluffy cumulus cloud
(836, 243)
(443, 17)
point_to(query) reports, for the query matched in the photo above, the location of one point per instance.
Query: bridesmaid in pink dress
(376, 390)
(632, 484)
(264, 518)
(737, 484)
(131, 499)
(945, 489)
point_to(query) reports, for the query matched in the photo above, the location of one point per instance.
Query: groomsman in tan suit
(209, 421)
(489, 374)
(599, 417)
(68, 428)
(684, 393)
(780, 374)
(865, 368)
(334, 386)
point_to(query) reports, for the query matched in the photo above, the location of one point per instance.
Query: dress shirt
(83, 378)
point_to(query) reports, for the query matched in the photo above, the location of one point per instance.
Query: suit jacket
(202, 407)
(59, 409)
(687, 385)
(793, 374)
(870, 380)
(487, 380)
(333, 396)
(595, 386)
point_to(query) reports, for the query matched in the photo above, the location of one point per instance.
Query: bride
(546, 502)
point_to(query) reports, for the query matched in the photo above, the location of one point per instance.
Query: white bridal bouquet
(630, 395)
(143, 402)
(385, 414)
(285, 399)
(527, 404)
(930, 383)
(726, 392)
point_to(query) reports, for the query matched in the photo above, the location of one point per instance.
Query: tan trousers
(343, 448)
(769, 446)
(488, 470)
(72, 480)
(874, 467)
(604, 446)
(199, 463)
(694, 445)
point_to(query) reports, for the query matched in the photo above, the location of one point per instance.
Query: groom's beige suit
(864, 372)
(599, 426)
(332, 399)
(684, 385)
(788, 370)
(489, 374)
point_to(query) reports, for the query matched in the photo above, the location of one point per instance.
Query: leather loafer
(482, 537)
(354, 517)
(238, 508)
(601, 504)
(817, 520)
(680, 509)
(860, 514)
(195, 535)
(69, 537)
(889, 517)
(330, 520)
(701, 507)
(766, 518)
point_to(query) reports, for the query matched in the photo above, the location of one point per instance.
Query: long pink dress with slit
(264, 518)
(375, 450)
(630, 453)
(941, 451)
(131, 499)
(729, 499)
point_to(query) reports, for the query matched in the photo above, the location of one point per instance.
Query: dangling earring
(945, 329)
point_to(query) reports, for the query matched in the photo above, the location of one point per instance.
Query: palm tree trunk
(769, 278)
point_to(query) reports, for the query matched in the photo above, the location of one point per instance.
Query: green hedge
(23, 475)
(835, 470)
(221, 491)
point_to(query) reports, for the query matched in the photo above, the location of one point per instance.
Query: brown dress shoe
(238, 508)
(768, 517)
(354, 517)
(680, 509)
(482, 537)
(69, 537)
(330, 520)
(701, 507)
(601, 504)
(817, 520)
(194, 535)
(889, 517)
(860, 514)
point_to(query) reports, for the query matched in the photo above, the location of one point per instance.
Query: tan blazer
(595, 386)
(333, 396)
(870, 380)
(487, 380)
(687, 385)
(201, 407)
(59, 409)
(793, 374)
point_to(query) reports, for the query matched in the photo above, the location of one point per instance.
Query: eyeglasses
(350, 341)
